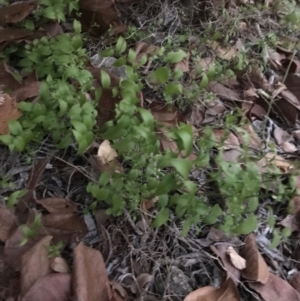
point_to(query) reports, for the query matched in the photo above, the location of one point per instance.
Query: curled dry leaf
(53, 287)
(223, 92)
(227, 292)
(225, 53)
(220, 250)
(106, 153)
(59, 265)
(58, 205)
(256, 268)
(90, 281)
(35, 264)
(275, 289)
(236, 260)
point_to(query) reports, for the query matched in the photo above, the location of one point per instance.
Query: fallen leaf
(8, 111)
(13, 34)
(106, 153)
(220, 250)
(58, 205)
(59, 265)
(90, 281)
(249, 137)
(13, 251)
(16, 12)
(236, 260)
(227, 292)
(284, 165)
(295, 281)
(225, 53)
(28, 90)
(96, 17)
(223, 92)
(7, 223)
(64, 227)
(53, 287)
(275, 289)
(227, 140)
(143, 48)
(35, 264)
(256, 268)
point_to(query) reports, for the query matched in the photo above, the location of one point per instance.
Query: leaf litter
(118, 264)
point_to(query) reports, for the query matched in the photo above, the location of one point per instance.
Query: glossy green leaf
(105, 79)
(121, 45)
(248, 225)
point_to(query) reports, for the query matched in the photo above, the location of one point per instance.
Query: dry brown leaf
(90, 281)
(228, 140)
(256, 268)
(288, 147)
(289, 222)
(275, 289)
(58, 205)
(7, 223)
(143, 48)
(292, 83)
(27, 91)
(281, 136)
(64, 227)
(236, 260)
(16, 12)
(258, 112)
(227, 292)
(53, 287)
(8, 111)
(35, 264)
(250, 138)
(220, 250)
(13, 251)
(223, 92)
(225, 53)
(59, 265)
(103, 14)
(295, 281)
(284, 165)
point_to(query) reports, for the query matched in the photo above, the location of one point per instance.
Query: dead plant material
(227, 292)
(58, 205)
(256, 268)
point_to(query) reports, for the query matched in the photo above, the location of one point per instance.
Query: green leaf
(82, 146)
(183, 166)
(163, 200)
(213, 216)
(146, 116)
(167, 184)
(162, 74)
(77, 26)
(19, 143)
(186, 227)
(131, 55)
(185, 134)
(105, 79)
(15, 127)
(276, 239)
(204, 81)
(120, 62)
(79, 126)
(176, 56)
(173, 88)
(248, 225)
(121, 45)
(161, 218)
(104, 178)
(107, 52)
(6, 139)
